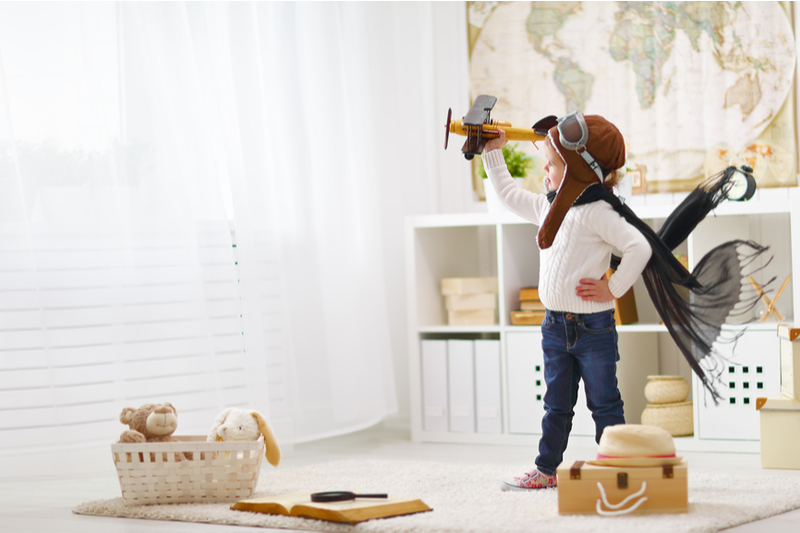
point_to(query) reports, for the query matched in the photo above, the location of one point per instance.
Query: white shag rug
(467, 498)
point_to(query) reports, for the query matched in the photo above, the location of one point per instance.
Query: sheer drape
(305, 193)
(125, 129)
(119, 284)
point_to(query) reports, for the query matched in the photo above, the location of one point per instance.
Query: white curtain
(202, 203)
(305, 190)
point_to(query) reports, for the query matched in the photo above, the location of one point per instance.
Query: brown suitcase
(610, 490)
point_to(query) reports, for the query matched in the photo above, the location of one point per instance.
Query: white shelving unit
(503, 245)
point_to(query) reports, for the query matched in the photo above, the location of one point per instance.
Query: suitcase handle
(616, 506)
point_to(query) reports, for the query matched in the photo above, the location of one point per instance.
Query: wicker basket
(666, 389)
(677, 418)
(217, 471)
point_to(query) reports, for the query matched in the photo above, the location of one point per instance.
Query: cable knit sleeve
(636, 251)
(529, 205)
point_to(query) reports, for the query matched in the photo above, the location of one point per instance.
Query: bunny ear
(222, 417)
(273, 452)
(213, 436)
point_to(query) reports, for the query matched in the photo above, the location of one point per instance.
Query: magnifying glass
(342, 496)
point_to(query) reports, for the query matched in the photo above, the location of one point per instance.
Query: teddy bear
(151, 423)
(234, 424)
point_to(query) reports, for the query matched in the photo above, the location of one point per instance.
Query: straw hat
(635, 445)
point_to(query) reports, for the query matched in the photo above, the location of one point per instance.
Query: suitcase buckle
(575, 470)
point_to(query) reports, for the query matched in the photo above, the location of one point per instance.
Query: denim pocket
(548, 321)
(598, 323)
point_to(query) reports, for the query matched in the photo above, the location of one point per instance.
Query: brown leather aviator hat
(591, 148)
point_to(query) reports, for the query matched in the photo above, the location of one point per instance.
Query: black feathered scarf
(692, 305)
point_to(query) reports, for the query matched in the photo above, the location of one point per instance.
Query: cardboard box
(780, 432)
(790, 361)
(471, 317)
(469, 302)
(611, 490)
(469, 285)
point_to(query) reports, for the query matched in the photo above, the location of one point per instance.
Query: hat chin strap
(592, 164)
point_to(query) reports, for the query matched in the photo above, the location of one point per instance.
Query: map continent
(686, 82)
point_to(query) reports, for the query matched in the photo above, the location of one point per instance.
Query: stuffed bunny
(242, 424)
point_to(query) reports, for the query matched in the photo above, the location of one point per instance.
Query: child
(576, 237)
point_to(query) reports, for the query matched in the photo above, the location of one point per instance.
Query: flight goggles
(573, 133)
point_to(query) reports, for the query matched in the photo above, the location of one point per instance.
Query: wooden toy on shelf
(771, 309)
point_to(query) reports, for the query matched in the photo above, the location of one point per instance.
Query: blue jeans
(577, 346)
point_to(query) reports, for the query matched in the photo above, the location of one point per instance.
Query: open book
(351, 512)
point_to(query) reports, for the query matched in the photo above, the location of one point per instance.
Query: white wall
(444, 73)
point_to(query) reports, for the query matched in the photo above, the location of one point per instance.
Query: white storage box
(790, 361)
(217, 471)
(780, 432)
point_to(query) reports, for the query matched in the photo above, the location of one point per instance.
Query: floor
(45, 506)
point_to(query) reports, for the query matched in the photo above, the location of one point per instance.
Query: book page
(288, 501)
(358, 503)
(285, 501)
(351, 511)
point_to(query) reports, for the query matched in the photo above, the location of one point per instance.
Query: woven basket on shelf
(666, 389)
(677, 418)
(217, 472)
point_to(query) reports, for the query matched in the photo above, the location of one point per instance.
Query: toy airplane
(478, 127)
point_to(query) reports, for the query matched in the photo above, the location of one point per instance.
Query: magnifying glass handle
(372, 495)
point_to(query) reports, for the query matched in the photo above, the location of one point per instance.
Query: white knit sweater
(582, 247)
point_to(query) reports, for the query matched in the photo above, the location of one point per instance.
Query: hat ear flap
(273, 452)
(572, 186)
(568, 192)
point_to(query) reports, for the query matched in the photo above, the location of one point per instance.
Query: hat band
(601, 456)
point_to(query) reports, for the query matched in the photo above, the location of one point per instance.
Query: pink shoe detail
(531, 480)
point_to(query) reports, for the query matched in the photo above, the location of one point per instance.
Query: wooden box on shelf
(476, 285)
(470, 301)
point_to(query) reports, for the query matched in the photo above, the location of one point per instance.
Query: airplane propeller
(447, 128)
(478, 127)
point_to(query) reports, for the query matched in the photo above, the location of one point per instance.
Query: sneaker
(530, 480)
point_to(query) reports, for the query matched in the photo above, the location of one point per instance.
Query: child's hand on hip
(594, 290)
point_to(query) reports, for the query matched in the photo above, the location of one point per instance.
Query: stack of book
(470, 301)
(531, 310)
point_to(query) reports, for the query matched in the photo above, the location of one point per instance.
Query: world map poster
(692, 86)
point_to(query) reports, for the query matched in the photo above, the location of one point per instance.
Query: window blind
(95, 320)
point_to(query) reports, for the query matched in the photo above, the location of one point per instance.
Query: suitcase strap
(667, 472)
(575, 469)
